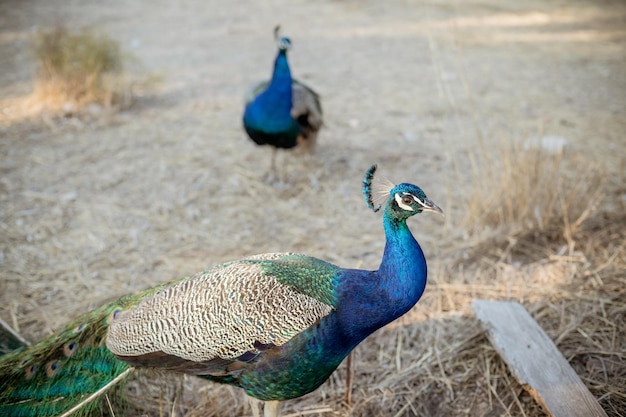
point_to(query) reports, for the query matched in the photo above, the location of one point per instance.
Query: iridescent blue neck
(381, 296)
(403, 265)
(281, 78)
(270, 111)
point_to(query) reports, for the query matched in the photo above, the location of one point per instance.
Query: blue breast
(267, 119)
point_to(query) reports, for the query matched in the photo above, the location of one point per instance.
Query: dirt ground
(95, 207)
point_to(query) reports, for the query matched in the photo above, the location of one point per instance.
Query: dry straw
(79, 67)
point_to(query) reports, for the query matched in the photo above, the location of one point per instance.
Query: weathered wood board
(535, 361)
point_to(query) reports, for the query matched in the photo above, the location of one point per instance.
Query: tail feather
(62, 371)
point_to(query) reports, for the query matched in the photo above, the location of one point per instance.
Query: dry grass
(77, 68)
(528, 189)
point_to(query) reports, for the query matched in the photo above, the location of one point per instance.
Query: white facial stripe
(401, 204)
(420, 202)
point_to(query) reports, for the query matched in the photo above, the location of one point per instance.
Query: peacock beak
(429, 205)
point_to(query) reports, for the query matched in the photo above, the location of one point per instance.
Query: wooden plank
(535, 361)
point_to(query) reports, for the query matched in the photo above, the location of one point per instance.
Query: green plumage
(62, 370)
(310, 276)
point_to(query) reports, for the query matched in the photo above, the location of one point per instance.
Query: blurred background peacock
(282, 112)
(276, 325)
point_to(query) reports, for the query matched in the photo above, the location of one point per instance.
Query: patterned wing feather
(307, 110)
(307, 102)
(207, 322)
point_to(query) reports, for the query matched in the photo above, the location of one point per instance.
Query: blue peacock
(276, 325)
(282, 112)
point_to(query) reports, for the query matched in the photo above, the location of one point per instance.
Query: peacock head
(407, 199)
(404, 200)
(283, 43)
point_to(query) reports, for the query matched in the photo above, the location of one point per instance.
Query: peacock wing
(210, 322)
(307, 102)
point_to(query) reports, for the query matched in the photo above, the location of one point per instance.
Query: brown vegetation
(77, 68)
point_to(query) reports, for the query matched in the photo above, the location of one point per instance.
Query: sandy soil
(96, 207)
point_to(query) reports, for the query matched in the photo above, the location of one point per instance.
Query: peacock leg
(272, 174)
(254, 406)
(271, 409)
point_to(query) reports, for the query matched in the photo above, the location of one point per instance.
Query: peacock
(282, 112)
(276, 325)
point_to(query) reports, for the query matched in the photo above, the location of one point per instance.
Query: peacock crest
(376, 190)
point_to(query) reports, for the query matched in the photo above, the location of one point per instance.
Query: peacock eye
(408, 200)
